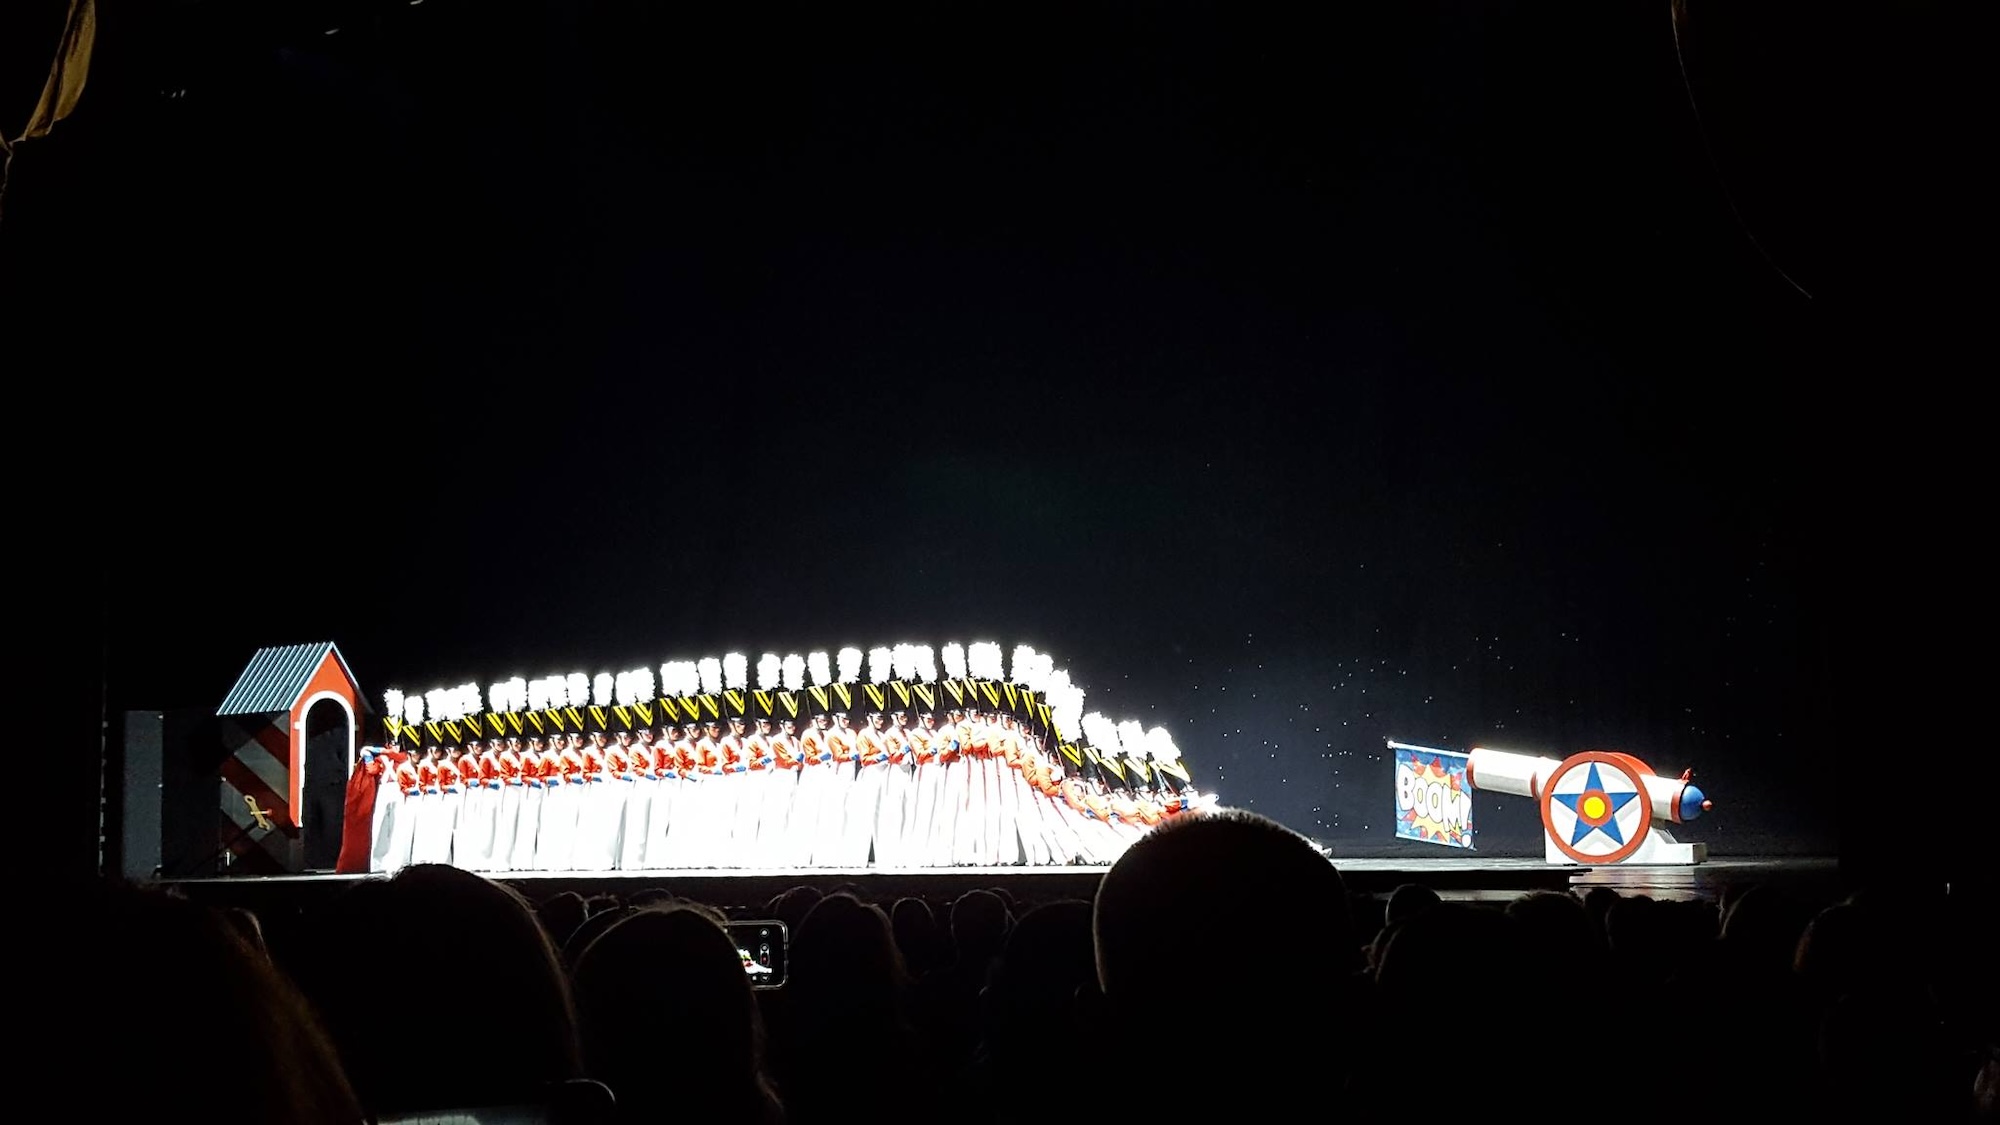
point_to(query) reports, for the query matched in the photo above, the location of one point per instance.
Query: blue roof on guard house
(276, 677)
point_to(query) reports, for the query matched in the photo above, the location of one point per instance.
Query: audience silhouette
(1222, 965)
(846, 1038)
(1242, 927)
(502, 1032)
(669, 1020)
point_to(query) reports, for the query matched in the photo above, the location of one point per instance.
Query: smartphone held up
(762, 945)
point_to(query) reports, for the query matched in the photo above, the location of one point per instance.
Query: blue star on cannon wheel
(1595, 809)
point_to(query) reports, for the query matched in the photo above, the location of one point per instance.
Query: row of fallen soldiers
(978, 789)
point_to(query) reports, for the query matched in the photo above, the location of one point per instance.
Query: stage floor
(1461, 878)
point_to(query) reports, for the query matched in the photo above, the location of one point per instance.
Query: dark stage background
(1485, 374)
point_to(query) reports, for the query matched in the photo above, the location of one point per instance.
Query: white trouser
(780, 787)
(527, 825)
(722, 794)
(1062, 841)
(894, 813)
(1061, 837)
(507, 814)
(968, 850)
(601, 828)
(950, 811)
(864, 800)
(986, 835)
(1045, 848)
(555, 844)
(1114, 836)
(437, 816)
(1012, 834)
(746, 808)
(659, 823)
(687, 837)
(609, 832)
(1082, 834)
(923, 813)
(393, 829)
(724, 791)
(1026, 833)
(639, 797)
(802, 826)
(1127, 831)
(684, 830)
(829, 835)
(472, 837)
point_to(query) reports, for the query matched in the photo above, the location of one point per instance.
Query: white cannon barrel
(1523, 775)
(1520, 775)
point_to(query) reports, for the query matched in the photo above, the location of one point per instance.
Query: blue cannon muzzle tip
(1693, 802)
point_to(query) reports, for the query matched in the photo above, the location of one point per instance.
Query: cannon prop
(1598, 806)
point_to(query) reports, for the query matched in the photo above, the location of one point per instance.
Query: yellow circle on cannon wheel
(1593, 807)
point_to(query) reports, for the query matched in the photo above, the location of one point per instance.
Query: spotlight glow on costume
(855, 758)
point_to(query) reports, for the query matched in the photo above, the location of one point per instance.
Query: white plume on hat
(954, 661)
(1021, 669)
(850, 665)
(413, 709)
(710, 671)
(735, 671)
(926, 665)
(983, 661)
(903, 662)
(795, 671)
(642, 685)
(517, 693)
(601, 689)
(1099, 732)
(1066, 709)
(621, 688)
(768, 667)
(392, 703)
(881, 660)
(1161, 744)
(821, 669)
(579, 689)
(538, 694)
(1132, 738)
(496, 697)
(677, 677)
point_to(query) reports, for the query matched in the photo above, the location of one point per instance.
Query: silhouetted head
(1469, 961)
(1244, 924)
(1845, 950)
(916, 933)
(669, 982)
(1406, 902)
(507, 986)
(581, 937)
(844, 969)
(1031, 998)
(790, 907)
(561, 914)
(978, 926)
(1558, 931)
